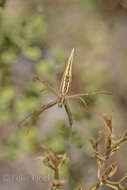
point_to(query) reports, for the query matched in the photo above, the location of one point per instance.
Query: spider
(62, 95)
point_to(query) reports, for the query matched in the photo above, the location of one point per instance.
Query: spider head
(61, 101)
(60, 104)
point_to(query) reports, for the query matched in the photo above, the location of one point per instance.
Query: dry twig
(111, 146)
(104, 172)
(54, 162)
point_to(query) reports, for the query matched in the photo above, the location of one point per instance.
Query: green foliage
(33, 53)
(57, 144)
(19, 141)
(8, 57)
(44, 67)
(2, 3)
(7, 96)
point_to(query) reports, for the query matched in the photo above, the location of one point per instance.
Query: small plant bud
(110, 171)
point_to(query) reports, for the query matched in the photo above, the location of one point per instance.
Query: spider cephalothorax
(61, 101)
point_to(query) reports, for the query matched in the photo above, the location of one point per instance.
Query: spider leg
(89, 93)
(82, 100)
(112, 186)
(47, 84)
(37, 113)
(67, 109)
(43, 90)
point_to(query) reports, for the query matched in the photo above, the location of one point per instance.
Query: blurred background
(36, 38)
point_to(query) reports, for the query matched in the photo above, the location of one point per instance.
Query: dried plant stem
(110, 147)
(104, 172)
(54, 162)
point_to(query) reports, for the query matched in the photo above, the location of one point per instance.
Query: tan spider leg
(89, 93)
(69, 116)
(82, 100)
(112, 186)
(43, 108)
(46, 83)
(43, 90)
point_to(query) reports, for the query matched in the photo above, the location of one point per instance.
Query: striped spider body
(62, 95)
(65, 81)
(66, 78)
